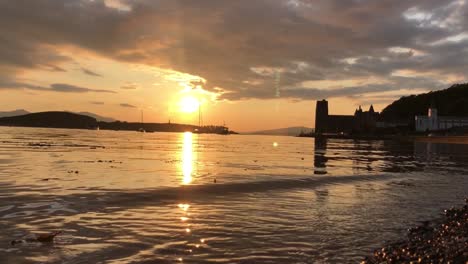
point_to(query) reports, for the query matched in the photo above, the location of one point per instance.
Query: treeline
(449, 102)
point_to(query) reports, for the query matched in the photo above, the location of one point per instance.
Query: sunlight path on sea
(187, 158)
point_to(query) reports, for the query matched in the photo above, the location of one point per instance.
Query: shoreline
(443, 240)
(415, 138)
(443, 139)
(121, 130)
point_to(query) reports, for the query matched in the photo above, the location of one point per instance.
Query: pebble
(431, 242)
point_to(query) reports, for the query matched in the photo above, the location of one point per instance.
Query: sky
(251, 65)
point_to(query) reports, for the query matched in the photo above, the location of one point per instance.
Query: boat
(141, 129)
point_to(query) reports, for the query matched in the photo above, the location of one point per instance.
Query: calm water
(128, 197)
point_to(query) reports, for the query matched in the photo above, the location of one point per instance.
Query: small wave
(189, 192)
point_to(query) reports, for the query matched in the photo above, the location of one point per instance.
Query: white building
(433, 122)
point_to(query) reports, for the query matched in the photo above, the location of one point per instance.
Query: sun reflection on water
(187, 158)
(184, 207)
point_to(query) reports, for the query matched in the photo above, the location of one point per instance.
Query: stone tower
(321, 116)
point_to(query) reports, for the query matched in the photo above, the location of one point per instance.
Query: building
(360, 122)
(434, 122)
(365, 121)
(325, 123)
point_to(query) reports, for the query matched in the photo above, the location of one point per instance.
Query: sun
(189, 104)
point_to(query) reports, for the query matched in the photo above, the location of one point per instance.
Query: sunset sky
(256, 64)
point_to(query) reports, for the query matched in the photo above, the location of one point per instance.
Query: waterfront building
(433, 122)
(361, 121)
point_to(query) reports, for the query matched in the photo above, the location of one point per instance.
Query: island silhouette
(63, 119)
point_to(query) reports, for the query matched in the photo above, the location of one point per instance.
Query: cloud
(91, 73)
(67, 88)
(129, 86)
(8, 84)
(97, 103)
(260, 49)
(127, 105)
(392, 84)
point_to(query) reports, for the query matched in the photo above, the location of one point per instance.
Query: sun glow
(189, 104)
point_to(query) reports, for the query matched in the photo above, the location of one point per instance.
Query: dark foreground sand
(441, 241)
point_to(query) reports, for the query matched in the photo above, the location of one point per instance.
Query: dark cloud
(395, 83)
(127, 105)
(310, 93)
(97, 103)
(8, 84)
(254, 49)
(91, 73)
(129, 86)
(61, 87)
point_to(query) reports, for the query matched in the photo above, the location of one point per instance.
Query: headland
(58, 119)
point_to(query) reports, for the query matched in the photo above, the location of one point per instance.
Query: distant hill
(449, 102)
(51, 119)
(13, 113)
(98, 117)
(72, 120)
(288, 131)
(24, 112)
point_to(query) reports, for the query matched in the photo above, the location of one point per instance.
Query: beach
(443, 240)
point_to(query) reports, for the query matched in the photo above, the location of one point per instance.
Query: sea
(132, 197)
